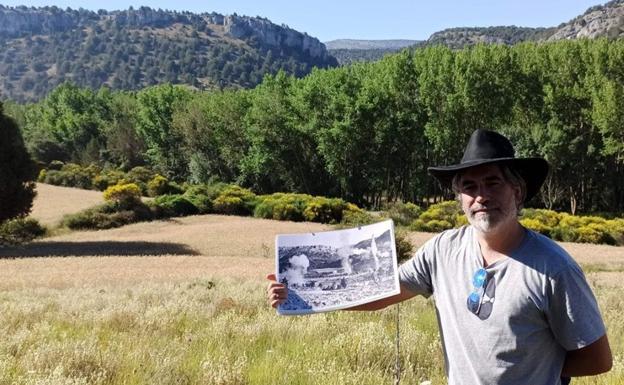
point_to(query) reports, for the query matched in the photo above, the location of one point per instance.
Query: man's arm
(593, 359)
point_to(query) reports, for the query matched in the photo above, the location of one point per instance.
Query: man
(513, 307)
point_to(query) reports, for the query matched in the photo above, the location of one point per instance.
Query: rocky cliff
(243, 27)
(134, 48)
(601, 20)
(24, 21)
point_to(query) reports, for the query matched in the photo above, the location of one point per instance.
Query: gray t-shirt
(537, 304)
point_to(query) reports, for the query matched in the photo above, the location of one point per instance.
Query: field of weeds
(182, 302)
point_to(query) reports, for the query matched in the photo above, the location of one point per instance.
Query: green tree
(17, 171)
(155, 115)
(125, 148)
(71, 119)
(213, 126)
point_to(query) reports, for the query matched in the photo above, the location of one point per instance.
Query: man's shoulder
(451, 239)
(547, 253)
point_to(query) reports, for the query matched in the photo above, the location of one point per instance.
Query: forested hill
(463, 37)
(347, 51)
(135, 48)
(598, 21)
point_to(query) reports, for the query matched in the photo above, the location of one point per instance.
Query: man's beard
(489, 221)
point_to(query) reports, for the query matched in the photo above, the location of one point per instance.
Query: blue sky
(351, 19)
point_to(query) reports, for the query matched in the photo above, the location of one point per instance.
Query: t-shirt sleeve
(573, 315)
(415, 274)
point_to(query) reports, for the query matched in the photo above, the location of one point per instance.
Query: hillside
(462, 37)
(135, 48)
(598, 21)
(348, 51)
(353, 44)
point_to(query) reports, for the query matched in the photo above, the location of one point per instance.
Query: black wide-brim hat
(487, 147)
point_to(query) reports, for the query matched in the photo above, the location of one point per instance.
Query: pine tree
(17, 171)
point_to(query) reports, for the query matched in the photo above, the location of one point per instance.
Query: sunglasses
(475, 298)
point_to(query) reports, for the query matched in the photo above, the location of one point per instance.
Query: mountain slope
(348, 51)
(131, 49)
(598, 21)
(354, 44)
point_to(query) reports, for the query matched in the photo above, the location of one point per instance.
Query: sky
(371, 20)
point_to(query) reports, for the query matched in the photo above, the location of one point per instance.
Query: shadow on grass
(92, 248)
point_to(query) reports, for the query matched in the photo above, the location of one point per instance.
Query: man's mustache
(480, 207)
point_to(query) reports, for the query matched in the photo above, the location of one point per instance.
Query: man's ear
(519, 195)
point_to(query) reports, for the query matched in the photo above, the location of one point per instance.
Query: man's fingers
(276, 303)
(276, 292)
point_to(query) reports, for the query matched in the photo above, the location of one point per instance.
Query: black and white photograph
(337, 269)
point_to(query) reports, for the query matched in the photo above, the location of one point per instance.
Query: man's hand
(277, 293)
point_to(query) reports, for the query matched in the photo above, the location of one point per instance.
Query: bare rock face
(598, 21)
(243, 27)
(145, 17)
(14, 21)
(21, 21)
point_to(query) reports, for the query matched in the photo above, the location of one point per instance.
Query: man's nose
(483, 194)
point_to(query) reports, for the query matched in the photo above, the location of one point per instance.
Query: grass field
(182, 302)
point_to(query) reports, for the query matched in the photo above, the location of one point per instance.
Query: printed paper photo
(337, 269)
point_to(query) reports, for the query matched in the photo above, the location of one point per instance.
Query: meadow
(182, 301)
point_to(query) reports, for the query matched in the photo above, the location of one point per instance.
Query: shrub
(42, 175)
(282, 206)
(235, 200)
(548, 218)
(108, 215)
(159, 185)
(588, 229)
(199, 196)
(126, 194)
(594, 233)
(568, 226)
(141, 177)
(95, 219)
(536, 225)
(175, 205)
(355, 216)
(439, 217)
(20, 230)
(55, 165)
(106, 179)
(443, 211)
(72, 175)
(616, 229)
(461, 220)
(403, 213)
(404, 247)
(432, 226)
(324, 210)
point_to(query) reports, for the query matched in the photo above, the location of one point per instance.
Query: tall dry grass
(182, 302)
(53, 202)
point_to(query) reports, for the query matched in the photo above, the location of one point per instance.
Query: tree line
(365, 132)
